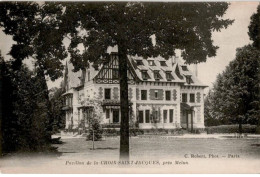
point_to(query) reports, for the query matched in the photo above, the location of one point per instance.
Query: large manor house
(162, 94)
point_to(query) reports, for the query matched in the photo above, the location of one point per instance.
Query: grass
(159, 147)
(142, 149)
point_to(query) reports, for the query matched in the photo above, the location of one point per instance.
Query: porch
(112, 113)
(187, 117)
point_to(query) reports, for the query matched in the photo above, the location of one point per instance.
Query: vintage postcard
(130, 87)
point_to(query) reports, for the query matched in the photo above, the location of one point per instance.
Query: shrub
(110, 132)
(136, 131)
(97, 131)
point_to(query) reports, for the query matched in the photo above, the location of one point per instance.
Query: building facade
(162, 94)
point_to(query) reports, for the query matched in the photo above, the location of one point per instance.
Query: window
(107, 94)
(115, 74)
(168, 95)
(184, 97)
(184, 68)
(139, 62)
(145, 75)
(189, 80)
(143, 94)
(147, 116)
(156, 94)
(171, 115)
(169, 76)
(157, 75)
(192, 97)
(107, 113)
(151, 62)
(141, 116)
(156, 116)
(163, 63)
(165, 116)
(115, 115)
(69, 100)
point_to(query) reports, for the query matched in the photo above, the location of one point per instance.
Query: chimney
(174, 60)
(196, 69)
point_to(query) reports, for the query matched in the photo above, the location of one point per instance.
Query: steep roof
(159, 71)
(73, 77)
(173, 66)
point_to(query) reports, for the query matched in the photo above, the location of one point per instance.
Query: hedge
(246, 128)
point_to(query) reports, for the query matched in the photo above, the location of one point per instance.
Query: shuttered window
(147, 116)
(168, 95)
(141, 116)
(165, 116)
(171, 115)
(156, 94)
(143, 94)
(184, 97)
(107, 94)
(192, 97)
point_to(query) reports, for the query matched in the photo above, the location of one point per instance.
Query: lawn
(76, 153)
(161, 147)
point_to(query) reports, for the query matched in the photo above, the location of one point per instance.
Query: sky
(228, 40)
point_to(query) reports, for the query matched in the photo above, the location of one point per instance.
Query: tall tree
(35, 29)
(24, 110)
(130, 26)
(254, 28)
(236, 93)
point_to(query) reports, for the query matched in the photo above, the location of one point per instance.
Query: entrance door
(116, 116)
(190, 120)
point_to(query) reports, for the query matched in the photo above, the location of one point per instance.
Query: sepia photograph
(129, 87)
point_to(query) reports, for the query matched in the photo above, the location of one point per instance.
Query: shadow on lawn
(257, 145)
(69, 152)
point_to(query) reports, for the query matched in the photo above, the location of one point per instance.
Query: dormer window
(169, 76)
(145, 75)
(157, 75)
(163, 63)
(151, 63)
(189, 80)
(184, 68)
(139, 62)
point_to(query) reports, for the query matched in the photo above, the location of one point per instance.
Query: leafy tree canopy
(35, 29)
(254, 28)
(130, 25)
(235, 95)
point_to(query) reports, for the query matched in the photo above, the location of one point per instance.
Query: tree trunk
(124, 105)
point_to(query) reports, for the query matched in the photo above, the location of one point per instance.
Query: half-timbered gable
(109, 72)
